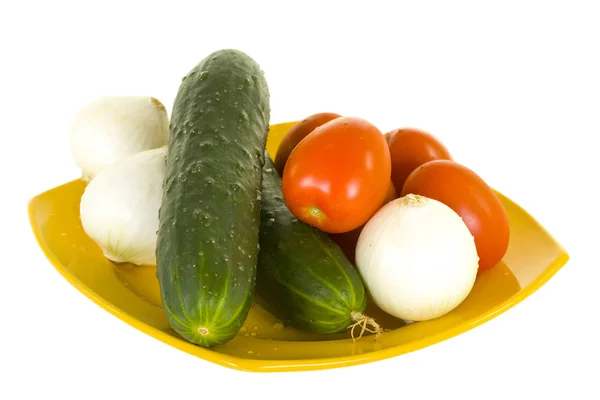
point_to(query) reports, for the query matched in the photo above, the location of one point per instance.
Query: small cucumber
(303, 277)
(207, 245)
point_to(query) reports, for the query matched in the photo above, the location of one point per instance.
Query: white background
(512, 89)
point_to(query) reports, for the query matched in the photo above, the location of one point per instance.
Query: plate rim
(273, 365)
(294, 365)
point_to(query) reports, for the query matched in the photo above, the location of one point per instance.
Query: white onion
(417, 258)
(113, 127)
(119, 207)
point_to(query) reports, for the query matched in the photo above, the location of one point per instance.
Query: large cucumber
(303, 277)
(207, 244)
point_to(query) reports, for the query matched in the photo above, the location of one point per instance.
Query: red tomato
(348, 240)
(470, 197)
(410, 148)
(296, 134)
(337, 177)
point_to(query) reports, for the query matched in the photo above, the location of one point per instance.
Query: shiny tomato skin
(336, 178)
(410, 148)
(347, 241)
(469, 196)
(296, 133)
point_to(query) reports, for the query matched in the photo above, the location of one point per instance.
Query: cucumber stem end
(363, 321)
(203, 331)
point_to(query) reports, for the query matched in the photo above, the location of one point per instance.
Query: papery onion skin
(111, 128)
(119, 207)
(417, 258)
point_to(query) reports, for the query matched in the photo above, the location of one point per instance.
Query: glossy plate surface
(132, 293)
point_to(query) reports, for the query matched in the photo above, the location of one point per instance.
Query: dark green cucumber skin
(207, 244)
(303, 277)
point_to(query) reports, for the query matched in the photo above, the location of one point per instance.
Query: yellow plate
(132, 294)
